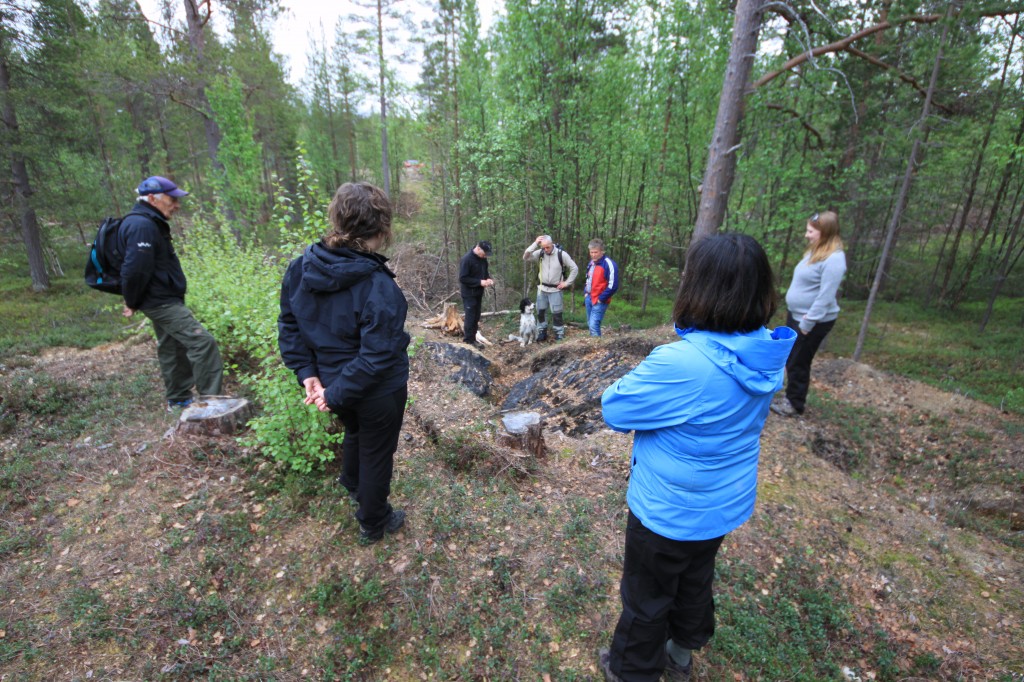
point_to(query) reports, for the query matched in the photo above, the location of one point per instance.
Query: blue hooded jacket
(698, 407)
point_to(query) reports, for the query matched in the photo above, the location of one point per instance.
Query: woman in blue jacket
(342, 331)
(697, 408)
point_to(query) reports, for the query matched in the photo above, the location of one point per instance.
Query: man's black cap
(486, 246)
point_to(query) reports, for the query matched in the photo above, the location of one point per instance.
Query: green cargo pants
(188, 354)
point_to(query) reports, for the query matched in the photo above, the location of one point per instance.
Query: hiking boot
(781, 405)
(394, 522)
(173, 405)
(559, 336)
(675, 672)
(604, 661)
(542, 335)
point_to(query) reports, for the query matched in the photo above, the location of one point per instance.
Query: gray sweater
(812, 293)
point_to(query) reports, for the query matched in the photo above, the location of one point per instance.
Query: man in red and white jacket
(602, 283)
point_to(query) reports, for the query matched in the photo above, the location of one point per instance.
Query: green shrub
(238, 302)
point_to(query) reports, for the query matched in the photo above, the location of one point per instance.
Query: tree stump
(449, 321)
(215, 415)
(523, 432)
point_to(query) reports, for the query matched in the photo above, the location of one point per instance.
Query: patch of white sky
(303, 24)
(641, 26)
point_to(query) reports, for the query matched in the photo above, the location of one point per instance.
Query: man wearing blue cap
(152, 281)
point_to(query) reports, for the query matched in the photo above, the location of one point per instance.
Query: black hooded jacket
(472, 270)
(343, 320)
(151, 273)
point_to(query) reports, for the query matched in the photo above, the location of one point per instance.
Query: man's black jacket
(472, 269)
(343, 320)
(151, 273)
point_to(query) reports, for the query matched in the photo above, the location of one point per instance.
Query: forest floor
(888, 540)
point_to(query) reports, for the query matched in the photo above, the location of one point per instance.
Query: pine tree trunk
(721, 164)
(1005, 266)
(385, 164)
(30, 233)
(197, 40)
(901, 201)
(972, 258)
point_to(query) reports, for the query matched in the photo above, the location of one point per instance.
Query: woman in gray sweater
(812, 305)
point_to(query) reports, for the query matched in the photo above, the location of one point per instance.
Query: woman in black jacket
(342, 331)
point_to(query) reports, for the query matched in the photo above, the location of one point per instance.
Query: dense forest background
(582, 119)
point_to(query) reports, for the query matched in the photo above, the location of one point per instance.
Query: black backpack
(103, 268)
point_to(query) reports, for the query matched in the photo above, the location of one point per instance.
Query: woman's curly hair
(358, 212)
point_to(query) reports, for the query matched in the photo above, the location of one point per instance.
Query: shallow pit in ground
(564, 384)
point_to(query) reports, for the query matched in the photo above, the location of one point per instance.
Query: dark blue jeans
(595, 313)
(372, 426)
(666, 592)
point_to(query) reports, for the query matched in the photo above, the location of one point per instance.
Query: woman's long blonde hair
(826, 222)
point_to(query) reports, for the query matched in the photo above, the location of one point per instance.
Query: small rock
(519, 422)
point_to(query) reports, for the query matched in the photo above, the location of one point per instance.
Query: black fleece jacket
(343, 320)
(151, 273)
(472, 269)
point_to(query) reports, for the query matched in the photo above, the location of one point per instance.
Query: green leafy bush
(235, 292)
(1013, 401)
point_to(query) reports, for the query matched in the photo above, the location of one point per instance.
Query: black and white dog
(527, 322)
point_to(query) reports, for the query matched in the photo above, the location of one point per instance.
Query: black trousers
(471, 305)
(368, 453)
(666, 592)
(798, 366)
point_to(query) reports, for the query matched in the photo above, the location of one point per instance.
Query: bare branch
(794, 17)
(157, 23)
(822, 14)
(999, 10)
(840, 45)
(899, 74)
(796, 115)
(188, 105)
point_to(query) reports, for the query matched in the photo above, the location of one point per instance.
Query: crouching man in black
(473, 280)
(342, 331)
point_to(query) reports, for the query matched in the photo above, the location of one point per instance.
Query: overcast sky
(292, 29)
